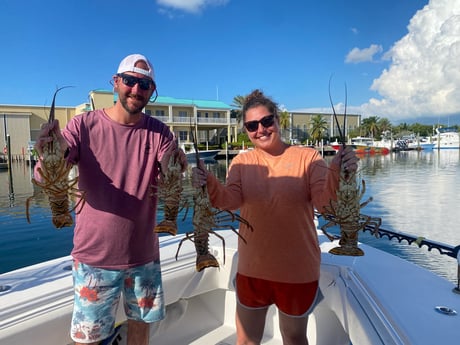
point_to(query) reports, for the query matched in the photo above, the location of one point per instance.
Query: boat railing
(444, 249)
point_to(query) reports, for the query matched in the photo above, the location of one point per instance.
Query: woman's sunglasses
(266, 121)
(129, 80)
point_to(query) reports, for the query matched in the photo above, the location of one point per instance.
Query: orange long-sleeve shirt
(277, 196)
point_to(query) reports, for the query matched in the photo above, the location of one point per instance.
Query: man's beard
(131, 110)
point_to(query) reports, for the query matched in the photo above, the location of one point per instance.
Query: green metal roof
(199, 103)
(192, 102)
(102, 91)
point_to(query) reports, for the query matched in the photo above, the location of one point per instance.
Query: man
(118, 151)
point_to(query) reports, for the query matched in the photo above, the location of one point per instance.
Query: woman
(276, 187)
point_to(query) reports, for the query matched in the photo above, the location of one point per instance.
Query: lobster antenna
(51, 117)
(194, 141)
(342, 137)
(345, 115)
(195, 146)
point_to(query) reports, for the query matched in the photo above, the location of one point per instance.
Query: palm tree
(238, 102)
(370, 124)
(385, 126)
(318, 128)
(284, 121)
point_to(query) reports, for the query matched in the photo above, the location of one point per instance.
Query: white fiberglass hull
(374, 299)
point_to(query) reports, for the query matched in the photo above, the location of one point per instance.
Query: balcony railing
(201, 120)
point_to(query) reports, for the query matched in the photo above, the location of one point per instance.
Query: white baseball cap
(128, 64)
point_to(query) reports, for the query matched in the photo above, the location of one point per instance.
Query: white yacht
(446, 138)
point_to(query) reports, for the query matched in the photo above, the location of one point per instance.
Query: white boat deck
(374, 299)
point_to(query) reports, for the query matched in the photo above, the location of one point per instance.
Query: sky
(394, 59)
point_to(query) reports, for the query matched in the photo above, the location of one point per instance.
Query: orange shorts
(291, 299)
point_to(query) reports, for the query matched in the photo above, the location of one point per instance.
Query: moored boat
(371, 150)
(374, 299)
(204, 154)
(422, 145)
(446, 138)
(364, 145)
(412, 142)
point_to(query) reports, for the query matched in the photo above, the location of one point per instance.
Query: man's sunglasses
(266, 121)
(129, 80)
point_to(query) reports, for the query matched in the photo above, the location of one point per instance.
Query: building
(301, 122)
(210, 120)
(22, 124)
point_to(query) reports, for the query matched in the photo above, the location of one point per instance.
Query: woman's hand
(347, 158)
(199, 175)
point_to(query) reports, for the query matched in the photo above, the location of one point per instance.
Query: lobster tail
(205, 261)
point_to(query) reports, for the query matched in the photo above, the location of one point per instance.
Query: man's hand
(179, 155)
(48, 132)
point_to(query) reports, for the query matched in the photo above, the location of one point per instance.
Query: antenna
(341, 134)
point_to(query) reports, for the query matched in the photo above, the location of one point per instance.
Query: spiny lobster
(205, 220)
(54, 179)
(346, 210)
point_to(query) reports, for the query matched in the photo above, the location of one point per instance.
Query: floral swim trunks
(97, 294)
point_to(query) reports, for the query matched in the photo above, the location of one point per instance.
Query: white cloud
(357, 55)
(190, 6)
(424, 74)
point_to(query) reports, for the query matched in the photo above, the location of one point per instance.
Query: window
(183, 113)
(216, 114)
(159, 112)
(183, 135)
(148, 112)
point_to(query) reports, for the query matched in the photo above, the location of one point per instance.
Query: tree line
(376, 127)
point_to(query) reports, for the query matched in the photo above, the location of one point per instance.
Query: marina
(371, 299)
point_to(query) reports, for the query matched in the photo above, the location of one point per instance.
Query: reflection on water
(417, 193)
(23, 244)
(413, 192)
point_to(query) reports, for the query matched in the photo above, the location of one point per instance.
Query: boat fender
(419, 240)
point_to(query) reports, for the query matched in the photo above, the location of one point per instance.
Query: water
(23, 243)
(413, 192)
(417, 193)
